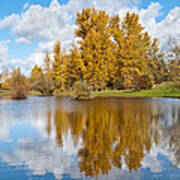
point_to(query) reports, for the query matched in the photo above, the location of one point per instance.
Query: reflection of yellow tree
(61, 125)
(112, 132)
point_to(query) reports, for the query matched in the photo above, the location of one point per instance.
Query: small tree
(40, 81)
(5, 79)
(18, 84)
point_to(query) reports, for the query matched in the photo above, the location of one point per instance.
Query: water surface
(106, 138)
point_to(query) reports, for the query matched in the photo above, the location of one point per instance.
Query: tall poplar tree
(60, 67)
(97, 48)
(132, 47)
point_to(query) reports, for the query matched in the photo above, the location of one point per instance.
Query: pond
(52, 138)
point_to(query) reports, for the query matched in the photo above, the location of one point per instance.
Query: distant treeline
(112, 53)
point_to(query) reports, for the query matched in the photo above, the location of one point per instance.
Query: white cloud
(169, 26)
(43, 157)
(148, 16)
(39, 23)
(9, 22)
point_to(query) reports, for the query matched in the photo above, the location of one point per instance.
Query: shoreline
(151, 93)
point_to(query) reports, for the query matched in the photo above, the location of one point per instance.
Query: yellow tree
(60, 73)
(41, 81)
(132, 47)
(174, 61)
(5, 79)
(18, 84)
(34, 80)
(156, 66)
(118, 38)
(48, 73)
(47, 62)
(75, 65)
(97, 48)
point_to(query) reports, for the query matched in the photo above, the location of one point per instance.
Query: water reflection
(112, 132)
(58, 138)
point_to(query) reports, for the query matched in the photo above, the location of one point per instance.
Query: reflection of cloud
(44, 156)
(151, 161)
(4, 130)
(4, 124)
(20, 113)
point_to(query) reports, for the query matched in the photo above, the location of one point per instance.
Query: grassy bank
(164, 92)
(161, 91)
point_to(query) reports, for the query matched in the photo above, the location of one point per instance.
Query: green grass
(164, 92)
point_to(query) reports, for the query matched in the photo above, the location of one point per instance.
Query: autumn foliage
(18, 84)
(111, 53)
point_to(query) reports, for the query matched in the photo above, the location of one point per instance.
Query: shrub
(41, 81)
(18, 85)
(81, 90)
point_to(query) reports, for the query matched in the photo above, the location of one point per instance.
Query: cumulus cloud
(148, 16)
(43, 157)
(53, 22)
(169, 26)
(39, 24)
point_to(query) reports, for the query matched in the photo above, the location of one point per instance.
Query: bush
(44, 84)
(41, 81)
(81, 91)
(18, 85)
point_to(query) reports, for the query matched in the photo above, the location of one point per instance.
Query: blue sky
(29, 28)
(166, 4)
(7, 7)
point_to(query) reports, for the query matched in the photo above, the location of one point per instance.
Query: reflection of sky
(26, 152)
(38, 155)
